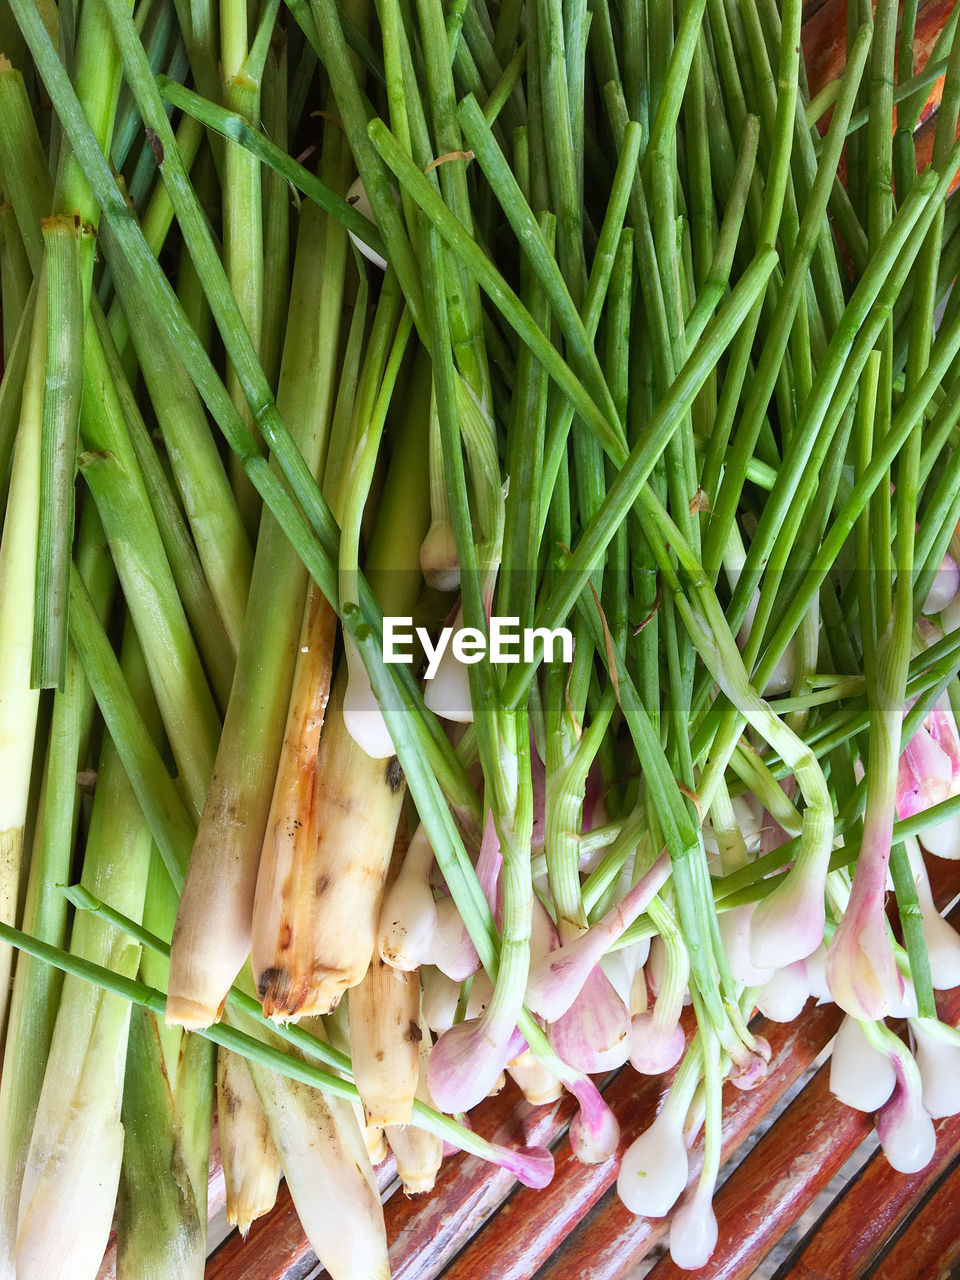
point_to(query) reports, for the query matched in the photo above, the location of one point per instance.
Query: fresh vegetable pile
(478, 573)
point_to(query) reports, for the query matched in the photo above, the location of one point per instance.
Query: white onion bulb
(654, 1169)
(860, 1075)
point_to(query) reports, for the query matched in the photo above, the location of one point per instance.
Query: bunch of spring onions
(595, 325)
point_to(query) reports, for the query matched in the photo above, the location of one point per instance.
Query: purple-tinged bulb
(594, 1033)
(693, 1231)
(788, 924)
(465, 1064)
(489, 862)
(594, 1131)
(861, 970)
(946, 583)
(928, 772)
(557, 979)
(654, 1048)
(594, 1134)
(451, 949)
(533, 1166)
(749, 1068)
(924, 775)
(905, 1128)
(655, 1167)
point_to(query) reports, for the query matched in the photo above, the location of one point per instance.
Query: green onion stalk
(861, 969)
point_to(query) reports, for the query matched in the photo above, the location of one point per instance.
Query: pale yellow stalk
(385, 1030)
(286, 899)
(328, 1175)
(251, 1165)
(374, 1139)
(385, 1039)
(418, 1154)
(358, 802)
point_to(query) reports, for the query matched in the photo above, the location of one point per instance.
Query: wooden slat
(861, 1220)
(929, 1247)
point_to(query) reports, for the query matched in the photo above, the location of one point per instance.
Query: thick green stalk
(26, 179)
(111, 472)
(19, 702)
(213, 641)
(316, 542)
(65, 1216)
(242, 221)
(11, 391)
(16, 278)
(210, 507)
(36, 987)
(161, 1209)
(276, 214)
(62, 392)
(166, 813)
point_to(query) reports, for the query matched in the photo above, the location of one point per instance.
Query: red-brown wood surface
(861, 1221)
(929, 1247)
(824, 41)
